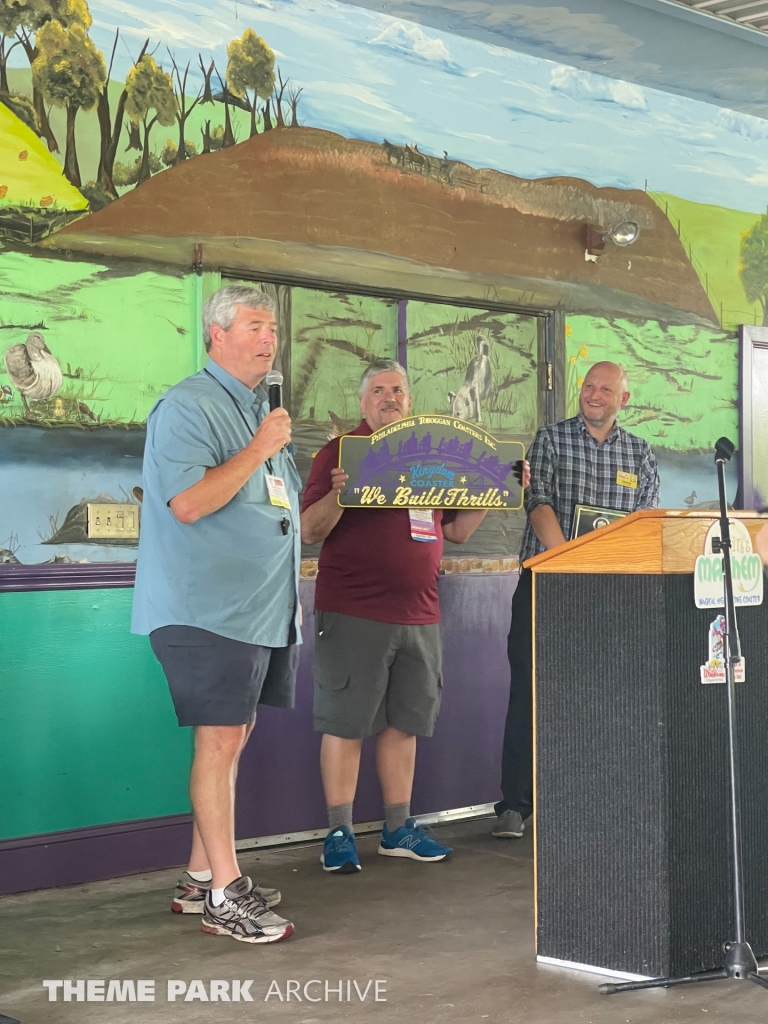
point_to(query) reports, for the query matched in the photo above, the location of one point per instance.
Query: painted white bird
(34, 372)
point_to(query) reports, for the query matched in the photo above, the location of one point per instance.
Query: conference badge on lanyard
(422, 524)
(278, 493)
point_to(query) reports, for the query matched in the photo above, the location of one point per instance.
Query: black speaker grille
(632, 792)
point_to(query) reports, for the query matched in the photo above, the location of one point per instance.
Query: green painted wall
(88, 733)
(711, 236)
(683, 380)
(122, 334)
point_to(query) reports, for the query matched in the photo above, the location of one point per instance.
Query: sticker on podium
(746, 570)
(714, 670)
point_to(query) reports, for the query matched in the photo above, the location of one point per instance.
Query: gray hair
(221, 308)
(383, 366)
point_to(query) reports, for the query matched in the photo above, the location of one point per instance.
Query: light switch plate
(113, 521)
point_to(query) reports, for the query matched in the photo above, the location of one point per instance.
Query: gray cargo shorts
(370, 675)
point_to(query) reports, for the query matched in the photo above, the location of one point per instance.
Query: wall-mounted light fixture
(624, 233)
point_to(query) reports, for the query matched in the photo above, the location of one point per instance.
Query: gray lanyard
(285, 523)
(248, 427)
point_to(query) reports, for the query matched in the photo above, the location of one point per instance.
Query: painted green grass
(714, 234)
(121, 339)
(683, 380)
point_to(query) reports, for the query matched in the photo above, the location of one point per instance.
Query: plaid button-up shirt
(569, 468)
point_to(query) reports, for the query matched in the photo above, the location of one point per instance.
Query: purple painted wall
(279, 786)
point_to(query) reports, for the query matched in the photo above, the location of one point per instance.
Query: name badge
(278, 494)
(422, 524)
(626, 480)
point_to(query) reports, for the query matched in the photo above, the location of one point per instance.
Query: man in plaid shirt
(586, 460)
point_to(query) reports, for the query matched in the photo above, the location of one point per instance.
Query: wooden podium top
(652, 541)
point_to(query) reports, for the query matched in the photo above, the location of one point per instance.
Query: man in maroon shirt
(378, 645)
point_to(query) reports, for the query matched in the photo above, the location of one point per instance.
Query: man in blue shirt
(217, 585)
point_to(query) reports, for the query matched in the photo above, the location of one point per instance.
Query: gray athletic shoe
(244, 915)
(509, 825)
(190, 895)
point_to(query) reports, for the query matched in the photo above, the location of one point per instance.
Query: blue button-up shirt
(232, 572)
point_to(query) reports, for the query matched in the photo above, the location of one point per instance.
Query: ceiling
(696, 48)
(752, 14)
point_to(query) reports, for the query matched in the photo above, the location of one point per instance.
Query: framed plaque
(587, 518)
(430, 461)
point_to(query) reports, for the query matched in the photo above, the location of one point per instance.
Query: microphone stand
(740, 962)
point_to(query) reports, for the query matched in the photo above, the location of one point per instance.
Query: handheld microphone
(724, 449)
(274, 383)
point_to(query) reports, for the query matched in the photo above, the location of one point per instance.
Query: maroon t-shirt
(370, 566)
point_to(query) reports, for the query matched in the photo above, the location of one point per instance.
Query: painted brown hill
(309, 186)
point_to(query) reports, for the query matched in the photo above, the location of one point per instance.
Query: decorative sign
(587, 518)
(430, 461)
(746, 569)
(714, 670)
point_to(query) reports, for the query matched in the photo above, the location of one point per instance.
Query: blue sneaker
(340, 852)
(412, 841)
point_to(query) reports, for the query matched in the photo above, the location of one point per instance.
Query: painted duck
(34, 371)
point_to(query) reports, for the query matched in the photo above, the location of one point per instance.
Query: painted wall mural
(131, 132)
(113, 340)
(683, 384)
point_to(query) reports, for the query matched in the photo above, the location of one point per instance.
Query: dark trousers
(517, 755)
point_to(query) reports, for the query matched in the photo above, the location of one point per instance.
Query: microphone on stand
(274, 384)
(724, 449)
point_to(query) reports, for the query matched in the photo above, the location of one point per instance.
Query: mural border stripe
(95, 576)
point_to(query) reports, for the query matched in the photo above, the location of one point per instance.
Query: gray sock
(396, 816)
(341, 814)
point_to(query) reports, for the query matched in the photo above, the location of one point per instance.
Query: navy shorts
(218, 681)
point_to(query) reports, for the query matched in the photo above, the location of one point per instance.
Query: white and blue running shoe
(413, 841)
(340, 851)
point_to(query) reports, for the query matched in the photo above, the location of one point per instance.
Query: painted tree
(753, 264)
(170, 156)
(134, 138)
(250, 71)
(182, 110)
(34, 15)
(277, 100)
(128, 174)
(207, 74)
(228, 98)
(149, 89)
(22, 107)
(10, 19)
(69, 72)
(212, 140)
(294, 95)
(110, 130)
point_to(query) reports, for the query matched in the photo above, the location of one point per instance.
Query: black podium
(631, 819)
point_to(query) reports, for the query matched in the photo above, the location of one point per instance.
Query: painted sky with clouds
(370, 76)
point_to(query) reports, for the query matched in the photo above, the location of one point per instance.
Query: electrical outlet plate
(113, 521)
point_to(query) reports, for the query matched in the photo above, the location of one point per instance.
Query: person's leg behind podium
(517, 755)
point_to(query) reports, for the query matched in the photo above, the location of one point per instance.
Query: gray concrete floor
(453, 942)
